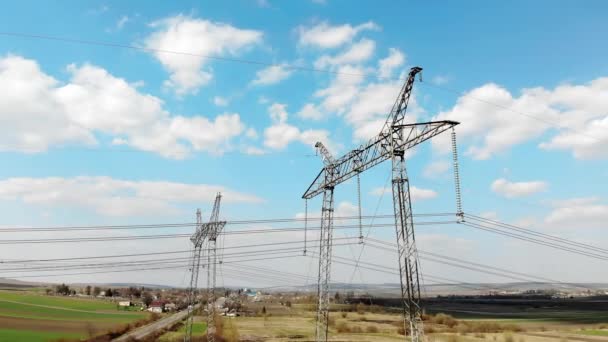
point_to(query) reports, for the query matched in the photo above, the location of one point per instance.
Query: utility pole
(394, 139)
(205, 232)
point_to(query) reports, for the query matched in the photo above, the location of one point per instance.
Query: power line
(171, 236)
(193, 224)
(534, 240)
(536, 233)
(8, 261)
(131, 270)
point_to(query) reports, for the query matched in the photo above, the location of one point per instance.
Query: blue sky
(97, 134)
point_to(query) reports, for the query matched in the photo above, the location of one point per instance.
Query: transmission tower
(197, 239)
(205, 232)
(214, 229)
(394, 139)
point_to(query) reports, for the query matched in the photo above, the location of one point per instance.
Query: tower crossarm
(375, 152)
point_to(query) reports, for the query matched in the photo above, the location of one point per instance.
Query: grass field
(282, 324)
(198, 329)
(30, 316)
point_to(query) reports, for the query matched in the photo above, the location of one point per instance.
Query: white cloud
(356, 53)
(121, 22)
(263, 3)
(198, 39)
(509, 189)
(588, 142)
(254, 151)
(114, 197)
(272, 75)
(372, 105)
(577, 213)
(387, 66)
(416, 194)
(440, 80)
(38, 112)
(33, 117)
(490, 122)
(342, 90)
(220, 101)
(323, 35)
(436, 168)
(310, 112)
(364, 106)
(280, 133)
(251, 133)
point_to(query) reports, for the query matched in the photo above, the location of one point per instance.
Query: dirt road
(153, 327)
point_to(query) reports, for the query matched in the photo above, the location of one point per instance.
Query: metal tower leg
(196, 262)
(325, 244)
(408, 254)
(211, 263)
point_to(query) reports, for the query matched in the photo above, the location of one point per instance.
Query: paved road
(153, 327)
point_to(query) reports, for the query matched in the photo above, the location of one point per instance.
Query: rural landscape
(311, 170)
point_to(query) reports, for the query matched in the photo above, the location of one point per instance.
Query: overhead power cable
(193, 224)
(536, 233)
(534, 240)
(277, 243)
(120, 263)
(171, 236)
(137, 269)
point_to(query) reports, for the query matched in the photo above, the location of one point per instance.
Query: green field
(30, 316)
(198, 329)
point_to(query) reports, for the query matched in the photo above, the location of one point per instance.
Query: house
(170, 307)
(125, 303)
(157, 306)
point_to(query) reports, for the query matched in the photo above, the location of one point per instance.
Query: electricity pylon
(197, 239)
(204, 232)
(215, 227)
(394, 139)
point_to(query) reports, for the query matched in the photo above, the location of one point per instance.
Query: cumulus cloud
(356, 53)
(220, 101)
(342, 89)
(490, 122)
(122, 22)
(280, 133)
(39, 112)
(311, 112)
(199, 39)
(114, 197)
(272, 75)
(387, 65)
(509, 189)
(584, 212)
(436, 168)
(416, 194)
(365, 106)
(324, 35)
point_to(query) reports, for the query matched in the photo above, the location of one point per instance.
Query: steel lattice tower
(205, 232)
(197, 239)
(394, 140)
(214, 229)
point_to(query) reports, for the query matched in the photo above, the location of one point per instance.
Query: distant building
(125, 303)
(170, 307)
(157, 306)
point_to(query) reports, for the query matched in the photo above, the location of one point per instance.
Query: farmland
(374, 323)
(29, 316)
